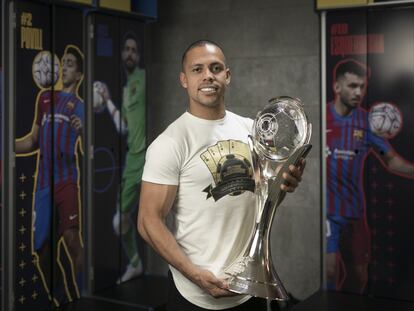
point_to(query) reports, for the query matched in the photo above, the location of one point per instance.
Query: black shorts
(176, 302)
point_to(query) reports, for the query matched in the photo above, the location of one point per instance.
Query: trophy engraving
(281, 134)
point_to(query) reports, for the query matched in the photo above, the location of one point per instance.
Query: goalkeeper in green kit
(130, 121)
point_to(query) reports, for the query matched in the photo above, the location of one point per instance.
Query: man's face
(205, 75)
(351, 89)
(130, 57)
(70, 73)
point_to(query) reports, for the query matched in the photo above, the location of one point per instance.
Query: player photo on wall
(120, 112)
(369, 162)
(49, 149)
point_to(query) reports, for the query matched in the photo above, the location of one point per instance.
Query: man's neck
(207, 113)
(69, 89)
(128, 73)
(342, 109)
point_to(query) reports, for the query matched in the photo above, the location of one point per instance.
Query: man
(349, 140)
(60, 113)
(131, 121)
(203, 147)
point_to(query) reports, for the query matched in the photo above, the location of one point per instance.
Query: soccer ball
(43, 75)
(385, 120)
(98, 101)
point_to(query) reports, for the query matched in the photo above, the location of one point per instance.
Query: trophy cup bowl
(280, 137)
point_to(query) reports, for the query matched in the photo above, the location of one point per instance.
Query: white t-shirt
(214, 213)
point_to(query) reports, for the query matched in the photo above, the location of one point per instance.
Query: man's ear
(336, 87)
(183, 80)
(228, 76)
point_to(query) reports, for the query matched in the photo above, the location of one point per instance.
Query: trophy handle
(259, 185)
(255, 161)
(276, 194)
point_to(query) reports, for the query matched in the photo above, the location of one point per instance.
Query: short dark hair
(195, 44)
(350, 66)
(129, 35)
(79, 57)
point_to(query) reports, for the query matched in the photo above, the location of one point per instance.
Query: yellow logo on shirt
(358, 134)
(228, 162)
(70, 105)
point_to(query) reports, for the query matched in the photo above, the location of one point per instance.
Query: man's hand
(214, 286)
(293, 177)
(76, 123)
(102, 89)
(105, 92)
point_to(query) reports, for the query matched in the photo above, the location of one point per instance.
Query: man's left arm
(397, 165)
(76, 123)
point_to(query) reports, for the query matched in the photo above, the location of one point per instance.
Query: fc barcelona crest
(358, 134)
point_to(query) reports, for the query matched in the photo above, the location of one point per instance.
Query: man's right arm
(28, 143)
(119, 122)
(155, 203)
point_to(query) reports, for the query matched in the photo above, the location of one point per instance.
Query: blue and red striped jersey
(57, 155)
(349, 140)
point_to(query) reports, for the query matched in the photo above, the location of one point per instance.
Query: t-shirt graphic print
(229, 165)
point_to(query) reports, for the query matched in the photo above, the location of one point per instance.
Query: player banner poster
(120, 141)
(369, 158)
(32, 49)
(133, 146)
(107, 153)
(48, 145)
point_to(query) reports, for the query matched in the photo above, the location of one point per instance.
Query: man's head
(129, 55)
(350, 83)
(204, 74)
(72, 66)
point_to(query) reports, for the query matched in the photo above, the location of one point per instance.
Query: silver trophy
(281, 134)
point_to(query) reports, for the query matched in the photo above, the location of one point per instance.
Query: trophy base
(265, 290)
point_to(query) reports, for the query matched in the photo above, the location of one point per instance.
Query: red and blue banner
(369, 159)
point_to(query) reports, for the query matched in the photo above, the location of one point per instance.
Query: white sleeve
(163, 162)
(119, 122)
(249, 125)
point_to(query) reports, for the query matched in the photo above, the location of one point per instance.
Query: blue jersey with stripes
(349, 140)
(57, 138)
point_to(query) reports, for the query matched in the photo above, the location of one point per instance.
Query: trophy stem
(267, 215)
